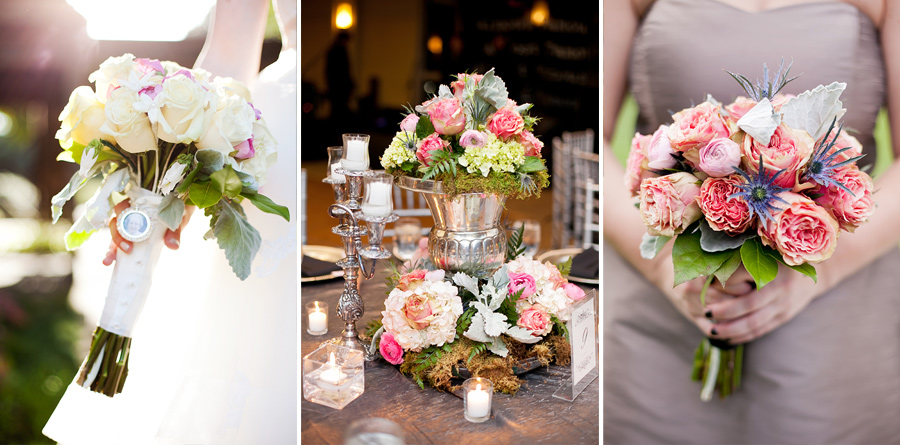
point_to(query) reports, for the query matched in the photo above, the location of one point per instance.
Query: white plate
(323, 253)
(560, 255)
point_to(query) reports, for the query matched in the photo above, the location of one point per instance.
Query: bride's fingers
(123, 244)
(110, 254)
(173, 238)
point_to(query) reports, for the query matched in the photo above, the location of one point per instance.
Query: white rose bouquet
(164, 137)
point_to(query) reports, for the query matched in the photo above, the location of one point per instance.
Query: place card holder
(583, 329)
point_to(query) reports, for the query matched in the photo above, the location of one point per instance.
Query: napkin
(312, 267)
(586, 264)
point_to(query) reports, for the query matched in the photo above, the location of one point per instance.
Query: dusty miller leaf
(813, 110)
(760, 122)
(236, 237)
(652, 245)
(171, 211)
(715, 241)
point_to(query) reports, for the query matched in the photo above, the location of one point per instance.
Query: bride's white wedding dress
(214, 359)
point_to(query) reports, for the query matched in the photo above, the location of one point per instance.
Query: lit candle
(318, 320)
(331, 373)
(478, 402)
(378, 199)
(356, 155)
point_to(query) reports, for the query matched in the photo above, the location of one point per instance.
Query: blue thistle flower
(822, 165)
(759, 192)
(766, 88)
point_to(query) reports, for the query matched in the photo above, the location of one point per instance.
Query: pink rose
(409, 123)
(460, 84)
(850, 211)
(844, 139)
(719, 157)
(506, 123)
(532, 144)
(472, 138)
(245, 150)
(390, 349)
(535, 319)
(694, 128)
(787, 150)
(659, 150)
(636, 168)
(418, 311)
(411, 280)
(150, 65)
(573, 291)
(667, 203)
(523, 282)
(447, 116)
(737, 109)
(426, 146)
(781, 99)
(731, 216)
(802, 231)
(555, 277)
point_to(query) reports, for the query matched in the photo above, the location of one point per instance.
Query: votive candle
(317, 312)
(478, 392)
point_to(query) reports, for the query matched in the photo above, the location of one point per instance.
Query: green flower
(399, 152)
(495, 154)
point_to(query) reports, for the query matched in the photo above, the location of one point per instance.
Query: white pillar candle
(478, 402)
(335, 175)
(378, 199)
(355, 160)
(318, 321)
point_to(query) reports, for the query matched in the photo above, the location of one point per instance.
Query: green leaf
(424, 127)
(206, 193)
(236, 237)
(565, 267)
(532, 164)
(228, 180)
(267, 205)
(171, 211)
(212, 160)
(189, 179)
(492, 89)
(715, 241)
(761, 265)
(806, 269)
(691, 261)
(514, 244)
(652, 245)
(729, 266)
(248, 183)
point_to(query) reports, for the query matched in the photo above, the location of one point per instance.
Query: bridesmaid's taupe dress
(830, 375)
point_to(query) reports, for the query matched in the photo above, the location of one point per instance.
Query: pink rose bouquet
(770, 178)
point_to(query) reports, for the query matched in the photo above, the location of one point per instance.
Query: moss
(507, 184)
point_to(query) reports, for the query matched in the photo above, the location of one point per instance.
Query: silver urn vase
(467, 234)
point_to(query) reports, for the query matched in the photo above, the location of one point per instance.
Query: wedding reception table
(533, 415)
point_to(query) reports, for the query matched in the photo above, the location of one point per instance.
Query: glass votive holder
(407, 232)
(377, 201)
(477, 395)
(317, 318)
(374, 430)
(356, 152)
(333, 375)
(334, 163)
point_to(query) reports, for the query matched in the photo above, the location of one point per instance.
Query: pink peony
(471, 138)
(668, 203)
(802, 231)
(506, 123)
(523, 282)
(636, 168)
(390, 349)
(694, 128)
(535, 319)
(573, 291)
(432, 142)
(849, 210)
(447, 116)
(787, 150)
(409, 123)
(460, 84)
(532, 144)
(659, 150)
(731, 216)
(719, 157)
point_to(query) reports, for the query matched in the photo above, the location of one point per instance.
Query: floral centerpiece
(163, 137)
(767, 179)
(473, 138)
(439, 325)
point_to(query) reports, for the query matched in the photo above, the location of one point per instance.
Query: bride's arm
(234, 41)
(748, 318)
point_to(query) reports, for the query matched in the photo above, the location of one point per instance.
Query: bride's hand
(172, 238)
(755, 314)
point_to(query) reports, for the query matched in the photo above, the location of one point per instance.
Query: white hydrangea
(398, 153)
(495, 155)
(446, 307)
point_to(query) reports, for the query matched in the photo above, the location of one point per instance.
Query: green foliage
(565, 267)
(559, 327)
(477, 349)
(229, 180)
(189, 179)
(759, 261)
(508, 307)
(212, 160)
(206, 193)
(464, 321)
(267, 205)
(426, 359)
(502, 183)
(514, 244)
(373, 327)
(691, 261)
(532, 164)
(729, 266)
(424, 127)
(171, 211)
(235, 236)
(441, 163)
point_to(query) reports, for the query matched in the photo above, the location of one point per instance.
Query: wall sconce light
(540, 13)
(343, 17)
(435, 44)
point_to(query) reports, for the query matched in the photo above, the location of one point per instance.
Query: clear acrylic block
(333, 375)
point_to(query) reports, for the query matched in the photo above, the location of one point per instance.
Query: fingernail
(174, 243)
(713, 331)
(126, 247)
(708, 314)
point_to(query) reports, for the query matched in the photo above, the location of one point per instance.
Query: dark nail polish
(708, 314)
(714, 331)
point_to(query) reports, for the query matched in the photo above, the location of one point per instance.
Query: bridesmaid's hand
(686, 297)
(172, 239)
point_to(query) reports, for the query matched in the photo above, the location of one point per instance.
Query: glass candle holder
(335, 154)
(374, 430)
(407, 232)
(333, 375)
(356, 152)
(478, 393)
(377, 199)
(317, 318)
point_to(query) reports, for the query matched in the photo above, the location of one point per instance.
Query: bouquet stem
(716, 364)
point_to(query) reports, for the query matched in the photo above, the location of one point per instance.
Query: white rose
(186, 110)
(130, 128)
(227, 86)
(266, 154)
(173, 175)
(81, 118)
(231, 125)
(111, 71)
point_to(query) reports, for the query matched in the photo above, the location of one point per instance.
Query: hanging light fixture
(540, 13)
(343, 16)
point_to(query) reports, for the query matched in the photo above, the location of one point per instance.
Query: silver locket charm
(134, 224)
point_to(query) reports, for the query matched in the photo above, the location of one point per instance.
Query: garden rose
(731, 216)
(573, 291)
(719, 157)
(460, 84)
(694, 128)
(227, 86)
(532, 144)
(472, 138)
(659, 150)
(265, 153)
(844, 139)
(506, 123)
(536, 319)
(447, 117)
(802, 231)
(411, 280)
(185, 114)
(418, 311)
(523, 282)
(81, 118)
(423, 316)
(129, 127)
(553, 275)
(668, 203)
(409, 123)
(390, 349)
(737, 109)
(111, 69)
(146, 66)
(232, 124)
(850, 211)
(788, 149)
(636, 167)
(431, 143)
